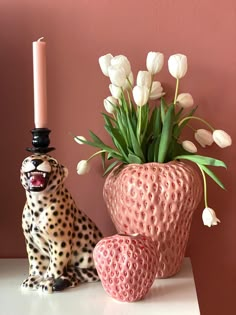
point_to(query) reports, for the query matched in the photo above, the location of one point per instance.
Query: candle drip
(41, 38)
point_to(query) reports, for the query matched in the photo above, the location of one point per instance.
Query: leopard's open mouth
(37, 181)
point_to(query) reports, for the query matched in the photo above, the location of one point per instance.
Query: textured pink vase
(126, 265)
(156, 200)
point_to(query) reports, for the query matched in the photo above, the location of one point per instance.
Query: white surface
(176, 295)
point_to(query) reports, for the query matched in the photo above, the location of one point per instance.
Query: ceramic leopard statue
(60, 238)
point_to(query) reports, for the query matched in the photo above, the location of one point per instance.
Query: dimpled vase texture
(126, 265)
(156, 200)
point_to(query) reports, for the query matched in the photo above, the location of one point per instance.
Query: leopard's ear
(66, 172)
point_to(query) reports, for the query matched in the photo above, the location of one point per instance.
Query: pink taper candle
(40, 84)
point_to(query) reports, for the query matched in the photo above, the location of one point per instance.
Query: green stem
(204, 185)
(96, 153)
(196, 118)
(139, 124)
(176, 90)
(129, 100)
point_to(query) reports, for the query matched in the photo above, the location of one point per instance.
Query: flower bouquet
(143, 131)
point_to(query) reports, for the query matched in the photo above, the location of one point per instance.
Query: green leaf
(134, 159)
(103, 156)
(118, 140)
(110, 167)
(202, 160)
(95, 138)
(157, 124)
(177, 115)
(156, 148)
(135, 145)
(163, 109)
(122, 126)
(212, 175)
(178, 129)
(166, 134)
(108, 119)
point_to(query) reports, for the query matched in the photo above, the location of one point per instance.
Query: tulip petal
(203, 137)
(185, 100)
(209, 217)
(122, 61)
(141, 95)
(117, 75)
(177, 65)
(189, 146)
(83, 167)
(221, 138)
(154, 62)
(105, 62)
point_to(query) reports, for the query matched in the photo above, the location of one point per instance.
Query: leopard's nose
(36, 162)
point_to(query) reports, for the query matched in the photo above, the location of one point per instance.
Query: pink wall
(77, 33)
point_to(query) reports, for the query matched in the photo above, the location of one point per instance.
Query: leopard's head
(42, 173)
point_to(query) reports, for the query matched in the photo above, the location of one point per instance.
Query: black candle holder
(40, 141)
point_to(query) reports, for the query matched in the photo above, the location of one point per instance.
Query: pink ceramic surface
(156, 200)
(126, 265)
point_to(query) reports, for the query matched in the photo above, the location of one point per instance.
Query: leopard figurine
(59, 237)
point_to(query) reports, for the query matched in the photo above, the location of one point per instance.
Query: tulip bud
(144, 78)
(156, 91)
(105, 62)
(221, 138)
(79, 138)
(189, 146)
(83, 167)
(141, 95)
(115, 91)
(209, 217)
(185, 100)
(117, 75)
(110, 104)
(177, 65)
(122, 61)
(203, 137)
(154, 62)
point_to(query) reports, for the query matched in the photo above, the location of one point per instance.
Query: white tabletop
(176, 295)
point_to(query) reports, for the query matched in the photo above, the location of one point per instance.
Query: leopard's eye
(53, 162)
(25, 161)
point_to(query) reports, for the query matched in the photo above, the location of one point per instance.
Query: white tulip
(117, 75)
(185, 100)
(156, 91)
(209, 217)
(121, 61)
(189, 146)
(129, 81)
(144, 78)
(105, 62)
(83, 167)
(221, 138)
(115, 91)
(203, 137)
(79, 138)
(141, 95)
(110, 104)
(177, 65)
(154, 62)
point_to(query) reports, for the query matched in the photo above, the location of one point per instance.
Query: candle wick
(40, 39)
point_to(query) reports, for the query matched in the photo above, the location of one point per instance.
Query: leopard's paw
(31, 283)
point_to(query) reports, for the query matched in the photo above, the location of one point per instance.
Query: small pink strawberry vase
(126, 265)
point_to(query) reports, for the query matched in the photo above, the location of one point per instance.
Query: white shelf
(176, 295)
